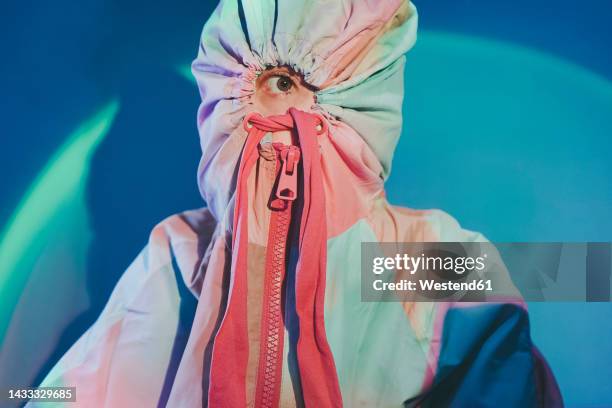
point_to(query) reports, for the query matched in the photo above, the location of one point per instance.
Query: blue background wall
(507, 127)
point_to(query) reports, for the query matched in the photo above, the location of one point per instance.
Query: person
(300, 115)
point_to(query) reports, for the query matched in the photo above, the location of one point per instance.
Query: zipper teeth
(274, 324)
(272, 330)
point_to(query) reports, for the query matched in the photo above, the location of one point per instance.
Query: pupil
(284, 84)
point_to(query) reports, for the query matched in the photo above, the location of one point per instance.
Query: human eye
(279, 84)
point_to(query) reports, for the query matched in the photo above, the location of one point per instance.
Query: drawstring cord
(318, 376)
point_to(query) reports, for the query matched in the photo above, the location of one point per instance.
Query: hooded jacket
(273, 260)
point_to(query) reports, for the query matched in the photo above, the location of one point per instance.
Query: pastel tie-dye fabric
(154, 343)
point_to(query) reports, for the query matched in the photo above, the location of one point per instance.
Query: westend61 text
(432, 285)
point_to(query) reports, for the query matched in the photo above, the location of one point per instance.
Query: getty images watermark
(412, 265)
(484, 271)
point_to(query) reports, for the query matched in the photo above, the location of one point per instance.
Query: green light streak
(185, 71)
(59, 185)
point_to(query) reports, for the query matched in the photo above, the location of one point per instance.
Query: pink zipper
(272, 324)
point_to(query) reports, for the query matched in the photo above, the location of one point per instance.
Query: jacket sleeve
(122, 359)
(487, 359)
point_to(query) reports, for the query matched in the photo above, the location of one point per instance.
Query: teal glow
(184, 70)
(515, 143)
(524, 132)
(47, 208)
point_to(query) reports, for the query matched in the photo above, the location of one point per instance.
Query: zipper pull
(287, 182)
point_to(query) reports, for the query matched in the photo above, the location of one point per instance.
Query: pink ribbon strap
(320, 388)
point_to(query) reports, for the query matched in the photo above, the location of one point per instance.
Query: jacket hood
(350, 51)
